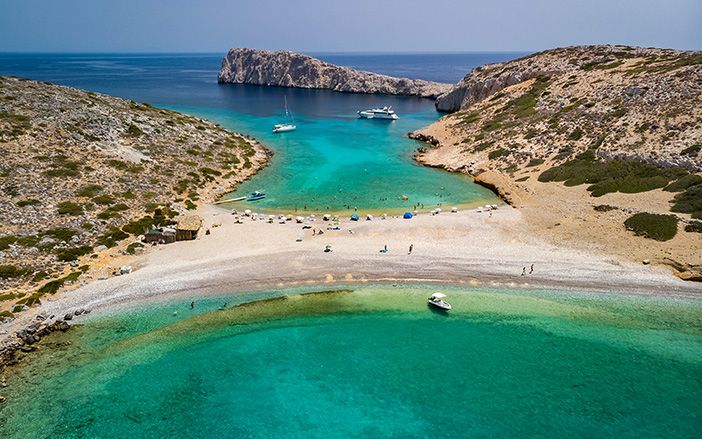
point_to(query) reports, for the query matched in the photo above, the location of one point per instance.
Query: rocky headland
(84, 174)
(290, 69)
(599, 145)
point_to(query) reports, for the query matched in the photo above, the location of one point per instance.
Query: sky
(344, 26)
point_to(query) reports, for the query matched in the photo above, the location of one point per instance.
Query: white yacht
(379, 113)
(289, 125)
(436, 300)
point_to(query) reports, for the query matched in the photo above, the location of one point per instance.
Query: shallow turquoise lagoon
(335, 161)
(368, 362)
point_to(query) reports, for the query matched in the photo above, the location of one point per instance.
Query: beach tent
(407, 215)
(354, 217)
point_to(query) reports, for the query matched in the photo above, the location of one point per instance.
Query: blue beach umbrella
(407, 215)
(354, 217)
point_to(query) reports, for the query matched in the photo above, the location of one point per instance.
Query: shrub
(69, 208)
(6, 241)
(28, 202)
(8, 271)
(692, 150)
(694, 226)
(606, 176)
(689, 201)
(61, 233)
(576, 134)
(535, 162)
(104, 200)
(89, 191)
(140, 226)
(653, 226)
(131, 248)
(111, 238)
(71, 254)
(190, 205)
(497, 153)
(683, 183)
(604, 208)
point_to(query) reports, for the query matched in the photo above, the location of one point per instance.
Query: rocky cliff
(82, 172)
(289, 69)
(621, 126)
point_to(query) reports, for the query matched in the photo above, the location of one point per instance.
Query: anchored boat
(436, 300)
(379, 113)
(288, 125)
(256, 196)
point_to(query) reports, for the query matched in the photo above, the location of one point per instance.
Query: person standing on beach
(523, 271)
(531, 270)
(410, 249)
(192, 305)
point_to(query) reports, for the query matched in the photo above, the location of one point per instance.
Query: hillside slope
(82, 170)
(621, 126)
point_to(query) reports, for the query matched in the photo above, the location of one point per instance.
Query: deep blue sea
(333, 162)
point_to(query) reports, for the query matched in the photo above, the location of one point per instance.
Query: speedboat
(289, 122)
(256, 196)
(378, 113)
(436, 300)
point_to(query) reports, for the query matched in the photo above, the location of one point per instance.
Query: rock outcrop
(289, 69)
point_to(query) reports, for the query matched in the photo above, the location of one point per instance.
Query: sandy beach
(471, 248)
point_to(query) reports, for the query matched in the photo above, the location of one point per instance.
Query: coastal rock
(290, 69)
(474, 88)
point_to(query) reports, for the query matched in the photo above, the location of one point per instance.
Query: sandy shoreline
(465, 248)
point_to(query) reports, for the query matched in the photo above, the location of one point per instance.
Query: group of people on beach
(531, 270)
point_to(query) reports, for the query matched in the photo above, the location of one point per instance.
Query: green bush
(28, 202)
(694, 226)
(606, 176)
(69, 208)
(576, 134)
(89, 191)
(9, 271)
(535, 162)
(104, 200)
(131, 248)
(689, 201)
(6, 241)
(71, 254)
(653, 226)
(111, 237)
(692, 150)
(683, 183)
(604, 208)
(140, 226)
(61, 233)
(497, 153)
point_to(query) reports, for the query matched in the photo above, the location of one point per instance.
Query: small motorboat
(256, 196)
(436, 300)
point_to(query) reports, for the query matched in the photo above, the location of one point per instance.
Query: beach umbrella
(326, 217)
(454, 210)
(369, 217)
(247, 212)
(407, 215)
(354, 217)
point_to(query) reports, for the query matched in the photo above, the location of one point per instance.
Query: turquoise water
(336, 161)
(370, 362)
(333, 162)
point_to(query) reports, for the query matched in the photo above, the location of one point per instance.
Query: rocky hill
(289, 69)
(607, 121)
(82, 172)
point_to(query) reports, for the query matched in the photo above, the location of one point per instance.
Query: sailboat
(288, 125)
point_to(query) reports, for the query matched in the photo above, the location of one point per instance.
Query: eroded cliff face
(289, 69)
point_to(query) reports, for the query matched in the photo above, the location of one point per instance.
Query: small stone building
(187, 227)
